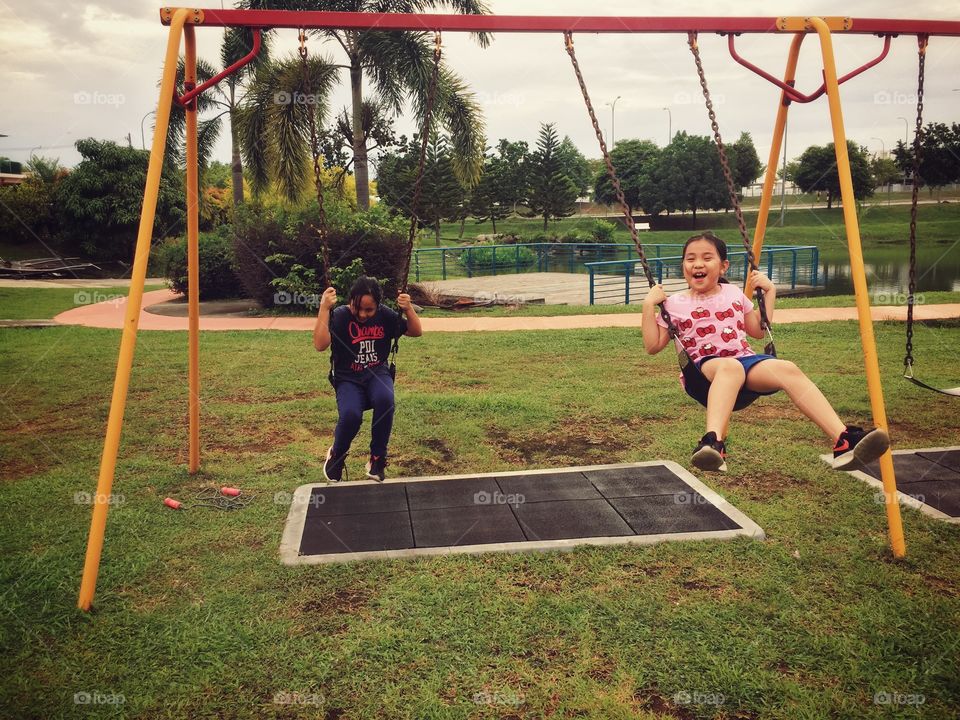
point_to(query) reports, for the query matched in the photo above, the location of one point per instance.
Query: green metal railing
(623, 282)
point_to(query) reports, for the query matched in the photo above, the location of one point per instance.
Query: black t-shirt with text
(361, 348)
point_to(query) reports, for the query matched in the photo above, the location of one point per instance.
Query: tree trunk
(694, 217)
(463, 222)
(493, 219)
(361, 174)
(829, 199)
(545, 218)
(436, 230)
(237, 163)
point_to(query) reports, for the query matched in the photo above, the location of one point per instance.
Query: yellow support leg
(770, 177)
(128, 341)
(193, 251)
(871, 362)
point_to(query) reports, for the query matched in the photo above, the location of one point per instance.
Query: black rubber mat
(932, 477)
(606, 502)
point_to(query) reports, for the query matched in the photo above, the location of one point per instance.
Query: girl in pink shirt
(713, 319)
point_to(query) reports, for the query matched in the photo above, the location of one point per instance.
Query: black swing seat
(953, 392)
(698, 387)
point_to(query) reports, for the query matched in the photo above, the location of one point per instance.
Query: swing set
(183, 21)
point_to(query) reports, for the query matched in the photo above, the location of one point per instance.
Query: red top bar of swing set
(265, 19)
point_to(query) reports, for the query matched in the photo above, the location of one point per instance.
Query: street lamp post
(613, 110)
(906, 130)
(669, 125)
(883, 147)
(143, 143)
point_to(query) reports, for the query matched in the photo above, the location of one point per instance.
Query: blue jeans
(374, 392)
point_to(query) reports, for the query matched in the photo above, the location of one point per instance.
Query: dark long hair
(364, 285)
(718, 244)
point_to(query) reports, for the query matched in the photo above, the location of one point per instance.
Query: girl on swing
(713, 318)
(359, 335)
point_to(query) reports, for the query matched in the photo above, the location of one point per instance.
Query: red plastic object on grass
(171, 503)
(230, 491)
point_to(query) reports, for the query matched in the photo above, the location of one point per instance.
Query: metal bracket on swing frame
(167, 13)
(802, 24)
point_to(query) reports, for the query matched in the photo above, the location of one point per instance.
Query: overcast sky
(72, 70)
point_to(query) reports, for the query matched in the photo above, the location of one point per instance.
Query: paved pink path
(110, 315)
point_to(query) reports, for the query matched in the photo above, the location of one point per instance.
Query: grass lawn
(196, 618)
(40, 303)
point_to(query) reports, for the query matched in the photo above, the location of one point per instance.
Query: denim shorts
(697, 386)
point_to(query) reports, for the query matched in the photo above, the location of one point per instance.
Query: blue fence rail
(623, 282)
(441, 263)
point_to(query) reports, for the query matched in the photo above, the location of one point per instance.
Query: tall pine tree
(552, 193)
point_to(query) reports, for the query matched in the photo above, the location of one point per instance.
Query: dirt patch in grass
(764, 486)
(574, 441)
(439, 447)
(342, 601)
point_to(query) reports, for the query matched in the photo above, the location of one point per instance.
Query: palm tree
(399, 65)
(225, 99)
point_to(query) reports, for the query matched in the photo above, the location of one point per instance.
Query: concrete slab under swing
(533, 510)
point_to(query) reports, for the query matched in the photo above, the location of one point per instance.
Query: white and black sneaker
(377, 467)
(858, 445)
(710, 454)
(333, 467)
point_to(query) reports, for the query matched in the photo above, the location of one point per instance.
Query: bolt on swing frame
(182, 22)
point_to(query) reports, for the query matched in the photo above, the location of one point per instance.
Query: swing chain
(614, 180)
(728, 177)
(424, 139)
(315, 150)
(917, 152)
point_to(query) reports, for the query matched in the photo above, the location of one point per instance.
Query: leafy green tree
(817, 171)
(441, 195)
(100, 200)
(399, 66)
(514, 166)
(488, 200)
(552, 193)
(885, 171)
(744, 163)
(689, 175)
(635, 162)
(939, 156)
(574, 165)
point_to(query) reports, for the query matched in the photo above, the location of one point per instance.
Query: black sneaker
(711, 454)
(376, 467)
(333, 467)
(858, 445)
